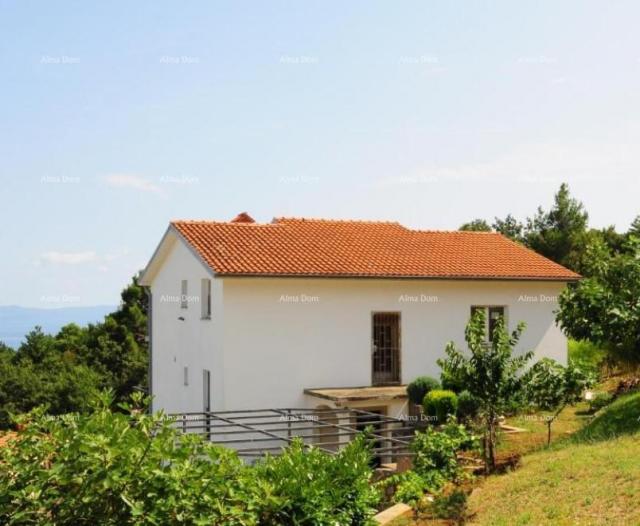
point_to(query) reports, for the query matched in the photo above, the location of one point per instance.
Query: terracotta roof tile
(319, 247)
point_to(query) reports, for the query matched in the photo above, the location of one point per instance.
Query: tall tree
(634, 229)
(556, 233)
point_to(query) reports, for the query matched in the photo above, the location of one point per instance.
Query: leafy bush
(410, 487)
(468, 406)
(435, 453)
(435, 463)
(316, 488)
(439, 404)
(127, 467)
(417, 389)
(599, 401)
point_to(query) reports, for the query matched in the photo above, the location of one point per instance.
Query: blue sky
(119, 117)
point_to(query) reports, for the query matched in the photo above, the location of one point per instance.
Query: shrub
(114, 468)
(468, 406)
(439, 404)
(599, 401)
(127, 467)
(316, 488)
(410, 487)
(435, 463)
(435, 454)
(417, 389)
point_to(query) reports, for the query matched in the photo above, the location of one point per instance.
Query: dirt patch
(4, 438)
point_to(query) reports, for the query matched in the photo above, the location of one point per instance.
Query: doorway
(385, 352)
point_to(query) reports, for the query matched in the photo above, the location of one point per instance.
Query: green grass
(622, 417)
(590, 478)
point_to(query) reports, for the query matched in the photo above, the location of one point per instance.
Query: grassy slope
(590, 478)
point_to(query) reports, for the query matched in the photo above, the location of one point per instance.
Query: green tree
(37, 346)
(604, 307)
(509, 227)
(634, 229)
(477, 225)
(555, 234)
(63, 371)
(551, 387)
(490, 372)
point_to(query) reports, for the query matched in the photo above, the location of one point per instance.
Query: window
(491, 315)
(385, 357)
(183, 294)
(205, 299)
(186, 375)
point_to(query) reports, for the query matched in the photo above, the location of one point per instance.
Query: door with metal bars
(385, 352)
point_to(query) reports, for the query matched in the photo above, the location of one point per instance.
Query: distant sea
(16, 322)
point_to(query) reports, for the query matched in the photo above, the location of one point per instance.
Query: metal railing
(253, 433)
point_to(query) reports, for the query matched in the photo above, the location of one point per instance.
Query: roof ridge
(325, 220)
(216, 223)
(465, 232)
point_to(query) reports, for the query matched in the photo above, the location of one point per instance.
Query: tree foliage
(65, 370)
(490, 372)
(477, 225)
(551, 387)
(509, 227)
(127, 467)
(605, 308)
(555, 233)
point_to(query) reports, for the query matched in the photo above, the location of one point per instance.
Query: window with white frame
(205, 299)
(492, 314)
(184, 291)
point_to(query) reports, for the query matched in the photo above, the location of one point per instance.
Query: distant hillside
(16, 322)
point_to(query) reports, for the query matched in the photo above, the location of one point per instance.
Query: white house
(321, 313)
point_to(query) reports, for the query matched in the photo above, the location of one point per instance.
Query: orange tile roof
(319, 247)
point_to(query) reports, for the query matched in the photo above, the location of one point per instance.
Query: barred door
(386, 348)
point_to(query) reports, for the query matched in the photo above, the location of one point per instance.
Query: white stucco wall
(284, 335)
(194, 342)
(270, 338)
